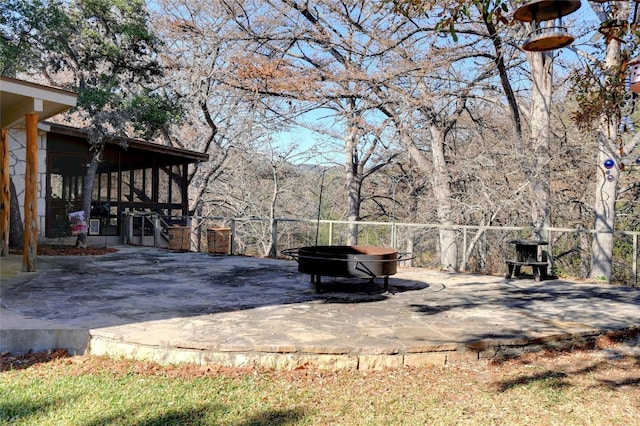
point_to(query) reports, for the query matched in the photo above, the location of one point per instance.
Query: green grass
(98, 391)
(102, 398)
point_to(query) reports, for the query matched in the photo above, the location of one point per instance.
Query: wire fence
(480, 249)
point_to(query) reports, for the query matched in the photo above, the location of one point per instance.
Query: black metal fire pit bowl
(346, 262)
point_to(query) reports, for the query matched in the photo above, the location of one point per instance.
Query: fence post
(330, 233)
(233, 235)
(273, 250)
(142, 234)
(549, 259)
(635, 260)
(394, 240)
(130, 230)
(156, 230)
(464, 249)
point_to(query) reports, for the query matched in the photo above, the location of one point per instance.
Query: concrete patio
(155, 304)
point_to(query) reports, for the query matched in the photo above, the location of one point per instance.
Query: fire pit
(346, 262)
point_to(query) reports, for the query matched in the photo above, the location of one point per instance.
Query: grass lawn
(590, 386)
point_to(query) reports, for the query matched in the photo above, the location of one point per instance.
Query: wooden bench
(539, 268)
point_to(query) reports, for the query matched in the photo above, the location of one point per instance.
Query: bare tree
(601, 109)
(358, 61)
(394, 89)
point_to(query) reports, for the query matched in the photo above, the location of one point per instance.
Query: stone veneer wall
(17, 168)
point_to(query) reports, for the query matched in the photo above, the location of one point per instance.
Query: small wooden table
(528, 253)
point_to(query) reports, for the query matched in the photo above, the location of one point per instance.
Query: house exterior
(47, 164)
(133, 176)
(22, 106)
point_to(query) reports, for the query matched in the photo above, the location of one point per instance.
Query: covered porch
(22, 106)
(134, 176)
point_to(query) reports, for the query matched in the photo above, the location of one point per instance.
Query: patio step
(20, 334)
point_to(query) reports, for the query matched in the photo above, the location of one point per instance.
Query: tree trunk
(354, 180)
(542, 79)
(442, 198)
(604, 212)
(410, 232)
(606, 184)
(272, 252)
(87, 192)
(441, 193)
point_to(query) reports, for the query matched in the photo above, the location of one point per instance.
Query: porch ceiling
(20, 97)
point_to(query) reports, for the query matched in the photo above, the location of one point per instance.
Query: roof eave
(21, 97)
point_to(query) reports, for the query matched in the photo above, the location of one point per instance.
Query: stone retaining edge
(105, 346)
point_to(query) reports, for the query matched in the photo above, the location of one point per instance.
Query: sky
(306, 140)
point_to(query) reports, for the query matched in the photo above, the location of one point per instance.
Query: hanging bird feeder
(545, 17)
